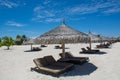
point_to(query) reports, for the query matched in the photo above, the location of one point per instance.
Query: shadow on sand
(77, 70)
(98, 53)
(30, 51)
(8, 49)
(81, 70)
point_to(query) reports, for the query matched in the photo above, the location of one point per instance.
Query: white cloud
(112, 10)
(8, 3)
(46, 1)
(12, 23)
(38, 8)
(96, 6)
(82, 10)
(48, 13)
(41, 13)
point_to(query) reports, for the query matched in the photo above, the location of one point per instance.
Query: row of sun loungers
(49, 65)
(107, 45)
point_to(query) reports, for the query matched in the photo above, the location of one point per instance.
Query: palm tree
(24, 38)
(7, 41)
(20, 39)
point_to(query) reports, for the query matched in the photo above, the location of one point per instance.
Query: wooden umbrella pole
(63, 49)
(90, 43)
(31, 47)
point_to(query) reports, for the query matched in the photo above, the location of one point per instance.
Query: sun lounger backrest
(40, 62)
(83, 49)
(61, 55)
(67, 55)
(88, 48)
(49, 59)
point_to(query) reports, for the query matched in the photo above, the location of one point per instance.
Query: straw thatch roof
(94, 38)
(62, 33)
(103, 38)
(98, 38)
(28, 41)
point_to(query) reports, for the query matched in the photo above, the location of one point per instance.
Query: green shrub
(7, 41)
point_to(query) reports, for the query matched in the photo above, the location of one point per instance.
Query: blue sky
(35, 17)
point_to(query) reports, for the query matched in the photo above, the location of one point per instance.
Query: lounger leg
(32, 69)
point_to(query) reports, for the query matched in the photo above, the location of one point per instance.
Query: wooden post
(90, 43)
(31, 47)
(63, 49)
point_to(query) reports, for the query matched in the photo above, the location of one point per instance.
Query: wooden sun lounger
(49, 65)
(102, 46)
(71, 59)
(43, 46)
(87, 51)
(58, 47)
(92, 49)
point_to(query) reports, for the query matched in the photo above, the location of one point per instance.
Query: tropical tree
(7, 41)
(100, 38)
(19, 39)
(24, 38)
(118, 39)
(0, 44)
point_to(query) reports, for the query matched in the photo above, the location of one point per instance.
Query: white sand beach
(15, 64)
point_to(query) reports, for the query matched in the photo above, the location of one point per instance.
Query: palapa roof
(98, 38)
(62, 33)
(103, 38)
(94, 37)
(28, 41)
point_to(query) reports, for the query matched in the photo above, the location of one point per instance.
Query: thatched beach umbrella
(93, 38)
(103, 39)
(62, 34)
(29, 41)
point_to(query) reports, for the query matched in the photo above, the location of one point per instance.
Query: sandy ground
(15, 64)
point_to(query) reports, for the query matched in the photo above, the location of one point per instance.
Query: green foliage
(0, 40)
(7, 41)
(20, 39)
(0, 44)
(118, 39)
(99, 35)
(24, 38)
